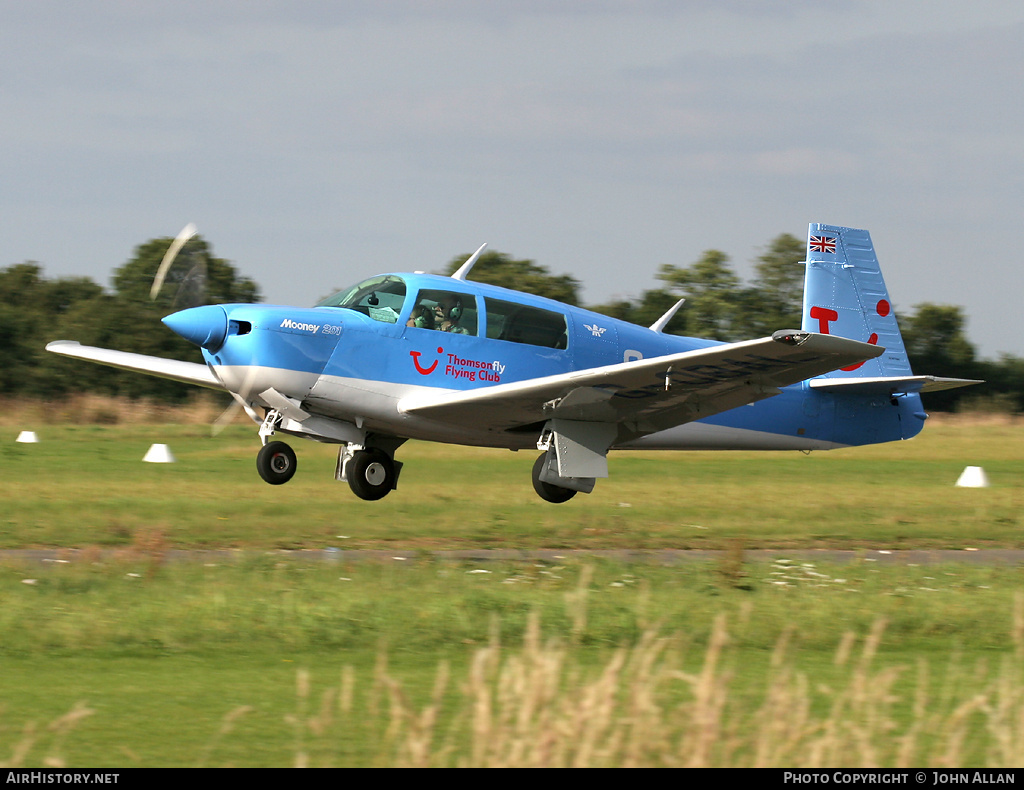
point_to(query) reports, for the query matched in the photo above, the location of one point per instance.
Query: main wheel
(276, 463)
(371, 474)
(547, 491)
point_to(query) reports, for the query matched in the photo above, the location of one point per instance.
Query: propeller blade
(172, 252)
(192, 290)
(241, 401)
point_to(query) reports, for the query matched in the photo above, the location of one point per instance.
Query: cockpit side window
(444, 311)
(380, 298)
(519, 323)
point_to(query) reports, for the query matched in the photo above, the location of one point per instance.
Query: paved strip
(655, 556)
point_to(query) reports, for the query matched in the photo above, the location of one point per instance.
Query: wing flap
(648, 395)
(174, 369)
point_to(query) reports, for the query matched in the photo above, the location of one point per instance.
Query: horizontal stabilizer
(891, 384)
(174, 369)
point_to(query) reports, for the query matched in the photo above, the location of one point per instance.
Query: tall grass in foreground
(662, 698)
(533, 708)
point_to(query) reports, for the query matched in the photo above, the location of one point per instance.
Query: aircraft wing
(174, 369)
(649, 395)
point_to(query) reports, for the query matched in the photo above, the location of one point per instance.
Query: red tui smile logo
(419, 368)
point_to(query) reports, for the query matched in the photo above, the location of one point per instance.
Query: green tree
(1003, 389)
(936, 342)
(935, 338)
(31, 308)
(499, 268)
(651, 306)
(779, 284)
(196, 277)
(127, 320)
(711, 289)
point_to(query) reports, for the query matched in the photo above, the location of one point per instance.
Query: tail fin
(845, 295)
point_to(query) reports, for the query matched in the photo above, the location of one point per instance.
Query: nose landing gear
(276, 463)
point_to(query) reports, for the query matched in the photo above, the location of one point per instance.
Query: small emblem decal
(823, 244)
(595, 330)
(419, 368)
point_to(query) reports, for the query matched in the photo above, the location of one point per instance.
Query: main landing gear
(548, 491)
(371, 474)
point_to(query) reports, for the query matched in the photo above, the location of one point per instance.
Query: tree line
(35, 310)
(719, 305)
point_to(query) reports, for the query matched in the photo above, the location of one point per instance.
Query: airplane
(404, 356)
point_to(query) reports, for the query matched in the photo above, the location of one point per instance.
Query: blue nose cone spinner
(205, 326)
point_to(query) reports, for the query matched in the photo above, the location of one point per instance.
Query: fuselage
(355, 357)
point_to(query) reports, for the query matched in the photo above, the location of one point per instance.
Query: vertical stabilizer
(845, 295)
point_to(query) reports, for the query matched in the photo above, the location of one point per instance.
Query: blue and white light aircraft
(445, 359)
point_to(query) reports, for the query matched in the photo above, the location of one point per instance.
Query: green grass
(121, 658)
(164, 656)
(86, 485)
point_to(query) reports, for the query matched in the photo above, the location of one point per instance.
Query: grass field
(121, 658)
(85, 485)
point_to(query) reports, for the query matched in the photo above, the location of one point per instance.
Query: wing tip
(53, 345)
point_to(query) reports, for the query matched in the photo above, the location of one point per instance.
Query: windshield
(381, 298)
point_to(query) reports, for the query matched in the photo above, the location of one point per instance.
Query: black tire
(547, 491)
(371, 474)
(276, 463)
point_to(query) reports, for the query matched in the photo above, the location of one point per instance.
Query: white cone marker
(972, 477)
(159, 454)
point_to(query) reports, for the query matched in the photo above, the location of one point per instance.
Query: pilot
(447, 314)
(421, 317)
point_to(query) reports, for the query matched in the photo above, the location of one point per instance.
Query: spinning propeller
(189, 269)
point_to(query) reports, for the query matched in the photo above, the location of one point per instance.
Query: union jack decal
(822, 244)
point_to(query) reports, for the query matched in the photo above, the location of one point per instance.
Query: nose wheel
(276, 463)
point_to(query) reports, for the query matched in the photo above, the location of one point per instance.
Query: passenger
(448, 313)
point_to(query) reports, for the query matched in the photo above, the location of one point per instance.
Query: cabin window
(519, 323)
(380, 298)
(444, 311)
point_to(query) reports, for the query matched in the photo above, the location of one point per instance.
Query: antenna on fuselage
(661, 323)
(464, 269)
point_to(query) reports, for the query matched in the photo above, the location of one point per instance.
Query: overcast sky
(317, 143)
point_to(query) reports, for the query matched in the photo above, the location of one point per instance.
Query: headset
(422, 317)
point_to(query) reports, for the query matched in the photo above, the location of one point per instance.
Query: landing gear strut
(276, 463)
